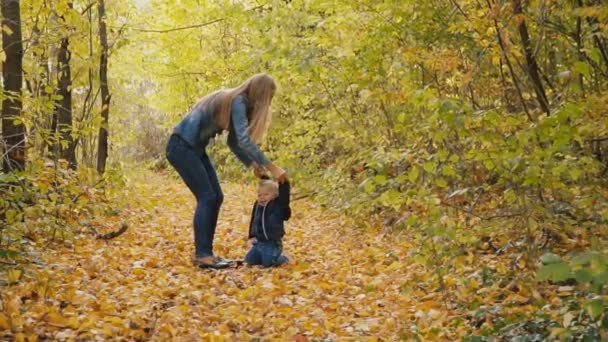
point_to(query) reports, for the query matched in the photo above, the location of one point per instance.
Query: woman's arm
(238, 152)
(238, 139)
(242, 146)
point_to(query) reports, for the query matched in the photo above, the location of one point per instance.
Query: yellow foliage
(5, 323)
(14, 275)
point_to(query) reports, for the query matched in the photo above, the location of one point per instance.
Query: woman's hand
(281, 177)
(258, 171)
(277, 173)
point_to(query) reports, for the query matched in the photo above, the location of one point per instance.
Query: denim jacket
(267, 221)
(198, 127)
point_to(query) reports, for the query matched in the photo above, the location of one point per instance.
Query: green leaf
(582, 259)
(448, 170)
(473, 339)
(443, 155)
(550, 258)
(575, 174)
(5, 253)
(555, 272)
(595, 308)
(10, 215)
(411, 220)
(583, 275)
(430, 167)
(601, 279)
(582, 68)
(594, 54)
(414, 173)
(489, 164)
(367, 185)
(391, 198)
(441, 183)
(605, 322)
(381, 179)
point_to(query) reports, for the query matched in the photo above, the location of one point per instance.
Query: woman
(243, 112)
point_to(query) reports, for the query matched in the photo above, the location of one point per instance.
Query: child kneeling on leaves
(266, 228)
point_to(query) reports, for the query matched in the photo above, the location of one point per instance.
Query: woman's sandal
(218, 263)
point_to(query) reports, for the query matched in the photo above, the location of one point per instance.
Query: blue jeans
(198, 173)
(266, 253)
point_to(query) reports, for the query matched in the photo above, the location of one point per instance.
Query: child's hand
(250, 242)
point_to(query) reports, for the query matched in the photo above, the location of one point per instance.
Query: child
(266, 228)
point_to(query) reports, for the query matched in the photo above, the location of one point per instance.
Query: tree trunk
(579, 46)
(89, 99)
(531, 65)
(63, 109)
(595, 29)
(505, 56)
(102, 150)
(13, 134)
(38, 83)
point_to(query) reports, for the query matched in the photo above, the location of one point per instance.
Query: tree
(13, 131)
(532, 67)
(62, 117)
(102, 152)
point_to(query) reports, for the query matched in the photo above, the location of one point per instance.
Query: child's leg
(271, 254)
(253, 257)
(281, 260)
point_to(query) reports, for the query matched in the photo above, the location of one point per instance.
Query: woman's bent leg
(189, 164)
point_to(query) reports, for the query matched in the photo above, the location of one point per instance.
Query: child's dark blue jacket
(267, 221)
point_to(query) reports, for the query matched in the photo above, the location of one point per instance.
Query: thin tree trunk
(39, 82)
(64, 107)
(89, 100)
(505, 88)
(532, 66)
(102, 150)
(505, 56)
(579, 46)
(599, 42)
(13, 134)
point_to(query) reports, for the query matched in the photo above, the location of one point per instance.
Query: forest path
(342, 282)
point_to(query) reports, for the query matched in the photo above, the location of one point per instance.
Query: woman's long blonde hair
(259, 90)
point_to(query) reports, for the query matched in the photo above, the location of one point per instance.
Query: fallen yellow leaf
(514, 297)
(4, 322)
(395, 265)
(14, 275)
(429, 304)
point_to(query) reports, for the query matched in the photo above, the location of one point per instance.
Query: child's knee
(274, 261)
(282, 260)
(268, 260)
(253, 258)
(252, 261)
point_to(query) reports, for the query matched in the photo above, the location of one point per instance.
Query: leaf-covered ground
(343, 282)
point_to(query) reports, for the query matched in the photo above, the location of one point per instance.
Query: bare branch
(173, 29)
(183, 27)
